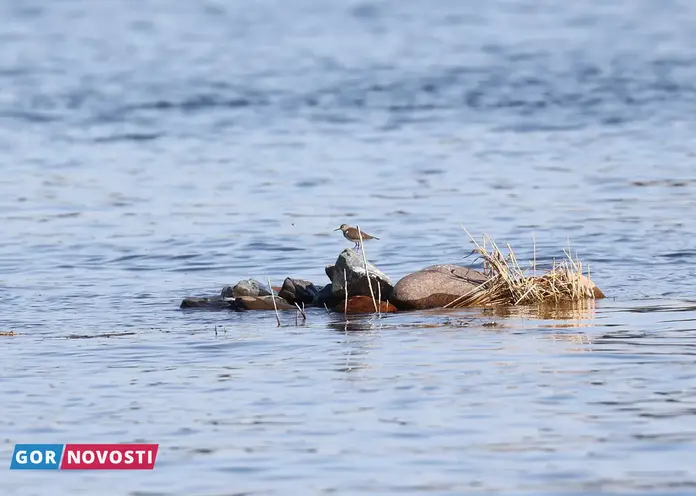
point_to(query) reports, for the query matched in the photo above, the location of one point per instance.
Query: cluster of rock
(431, 287)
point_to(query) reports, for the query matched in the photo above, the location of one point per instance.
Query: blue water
(151, 150)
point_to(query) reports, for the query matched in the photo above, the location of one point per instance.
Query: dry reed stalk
(367, 272)
(509, 284)
(345, 290)
(304, 315)
(274, 302)
(534, 259)
(379, 299)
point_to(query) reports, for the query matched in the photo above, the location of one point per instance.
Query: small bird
(351, 234)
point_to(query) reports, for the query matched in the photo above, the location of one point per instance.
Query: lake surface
(152, 150)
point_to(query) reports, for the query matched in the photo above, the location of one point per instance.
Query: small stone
(298, 291)
(262, 303)
(208, 303)
(435, 287)
(250, 287)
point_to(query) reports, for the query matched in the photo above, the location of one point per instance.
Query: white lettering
(88, 457)
(140, 454)
(101, 456)
(51, 457)
(129, 457)
(21, 456)
(73, 457)
(149, 456)
(36, 457)
(116, 457)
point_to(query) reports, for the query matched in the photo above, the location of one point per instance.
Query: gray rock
(247, 287)
(298, 291)
(330, 270)
(325, 296)
(352, 263)
(208, 303)
(435, 286)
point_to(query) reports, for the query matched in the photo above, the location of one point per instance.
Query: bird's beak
(337, 229)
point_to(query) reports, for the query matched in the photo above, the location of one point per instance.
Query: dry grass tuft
(509, 284)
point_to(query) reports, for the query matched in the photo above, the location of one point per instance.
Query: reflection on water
(582, 312)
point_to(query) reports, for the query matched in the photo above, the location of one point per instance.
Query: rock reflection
(357, 330)
(574, 314)
(354, 323)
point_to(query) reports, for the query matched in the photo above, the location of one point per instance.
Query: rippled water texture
(153, 149)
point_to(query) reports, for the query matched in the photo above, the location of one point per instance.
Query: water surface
(153, 150)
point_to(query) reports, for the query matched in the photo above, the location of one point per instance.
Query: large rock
(435, 286)
(352, 263)
(298, 291)
(247, 287)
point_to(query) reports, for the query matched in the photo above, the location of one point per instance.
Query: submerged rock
(298, 291)
(262, 303)
(435, 286)
(208, 303)
(247, 287)
(364, 304)
(352, 263)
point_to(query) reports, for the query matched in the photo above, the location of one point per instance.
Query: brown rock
(364, 304)
(435, 286)
(262, 303)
